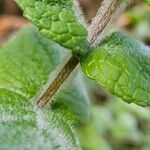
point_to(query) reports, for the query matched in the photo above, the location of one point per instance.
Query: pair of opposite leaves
(32, 58)
(119, 63)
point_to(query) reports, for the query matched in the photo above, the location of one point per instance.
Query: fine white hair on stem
(79, 13)
(98, 28)
(102, 23)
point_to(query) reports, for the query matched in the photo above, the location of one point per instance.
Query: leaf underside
(122, 66)
(26, 62)
(57, 21)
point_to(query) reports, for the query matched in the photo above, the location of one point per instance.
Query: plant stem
(102, 19)
(58, 81)
(74, 60)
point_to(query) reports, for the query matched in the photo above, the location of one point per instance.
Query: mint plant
(42, 94)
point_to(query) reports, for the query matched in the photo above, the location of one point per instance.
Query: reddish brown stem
(58, 81)
(100, 25)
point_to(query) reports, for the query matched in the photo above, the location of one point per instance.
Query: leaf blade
(121, 65)
(27, 60)
(56, 21)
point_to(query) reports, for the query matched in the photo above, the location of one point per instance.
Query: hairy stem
(63, 74)
(57, 82)
(102, 19)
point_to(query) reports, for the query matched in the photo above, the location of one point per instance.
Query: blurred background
(114, 125)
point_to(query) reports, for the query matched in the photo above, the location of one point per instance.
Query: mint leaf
(27, 60)
(121, 65)
(57, 21)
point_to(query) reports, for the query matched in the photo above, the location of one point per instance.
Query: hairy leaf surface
(57, 21)
(122, 66)
(26, 62)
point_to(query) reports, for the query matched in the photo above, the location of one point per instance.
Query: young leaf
(121, 65)
(57, 21)
(26, 61)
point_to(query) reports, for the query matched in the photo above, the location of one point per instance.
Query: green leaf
(57, 21)
(26, 63)
(122, 66)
